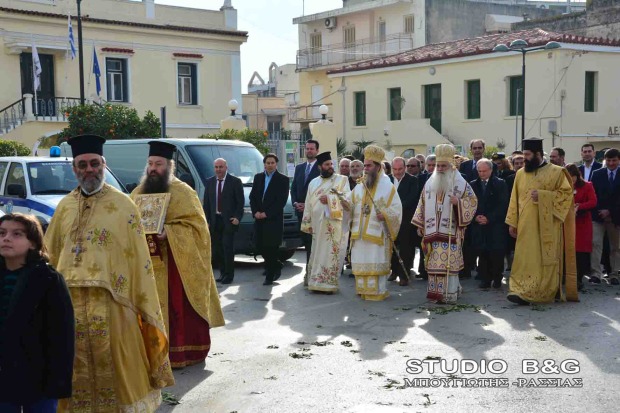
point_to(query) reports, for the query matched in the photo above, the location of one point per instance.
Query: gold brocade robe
(189, 239)
(121, 358)
(536, 274)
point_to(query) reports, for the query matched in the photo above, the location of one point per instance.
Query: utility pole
(80, 50)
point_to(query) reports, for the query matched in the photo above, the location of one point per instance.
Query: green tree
(13, 148)
(110, 121)
(359, 146)
(341, 147)
(256, 137)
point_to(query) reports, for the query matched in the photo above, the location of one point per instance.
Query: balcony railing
(307, 113)
(54, 109)
(353, 52)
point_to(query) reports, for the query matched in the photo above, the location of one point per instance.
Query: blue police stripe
(34, 205)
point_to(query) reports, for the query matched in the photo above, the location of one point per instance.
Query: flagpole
(80, 51)
(34, 81)
(64, 86)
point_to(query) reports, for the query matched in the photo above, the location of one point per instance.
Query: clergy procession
(121, 289)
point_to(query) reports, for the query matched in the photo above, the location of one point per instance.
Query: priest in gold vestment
(187, 292)
(376, 214)
(447, 206)
(324, 217)
(96, 241)
(541, 217)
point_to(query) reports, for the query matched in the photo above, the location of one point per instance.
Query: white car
(35, 185)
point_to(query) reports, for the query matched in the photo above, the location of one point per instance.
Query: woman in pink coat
(585, 201)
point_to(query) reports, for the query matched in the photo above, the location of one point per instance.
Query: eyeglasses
(412, 166)
(84, 165)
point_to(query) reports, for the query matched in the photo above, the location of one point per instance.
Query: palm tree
(341, 147)
(358, 152)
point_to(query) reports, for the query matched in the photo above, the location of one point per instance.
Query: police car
(35, 185)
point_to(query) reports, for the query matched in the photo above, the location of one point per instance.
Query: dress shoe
(267, 282)
(484, 285)
(403, 282)
(219, 280)
(392, 276)
(227, 280)
(497, 284)
(614, 281)
(513, 298)
(594, 280)
(277, 276)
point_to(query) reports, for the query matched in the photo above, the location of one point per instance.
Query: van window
(127, 161)
(16, 176)
(243, 161)
(47, 178)
(3, 166)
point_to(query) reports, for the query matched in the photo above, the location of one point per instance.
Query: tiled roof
(471, 47)
(125, 23)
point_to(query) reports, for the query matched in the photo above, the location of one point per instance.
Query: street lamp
(233, 105)
(323, 109)
(520, 45)
(80, 51)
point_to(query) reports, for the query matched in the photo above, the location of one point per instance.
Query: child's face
(13, 240)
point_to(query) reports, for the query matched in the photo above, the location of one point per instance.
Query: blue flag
(96, 71)
(71, 40)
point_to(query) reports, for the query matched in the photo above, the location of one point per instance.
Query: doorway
(432, 105)
(45, 105)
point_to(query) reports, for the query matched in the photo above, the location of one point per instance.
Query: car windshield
(243, 161)
(53, 178)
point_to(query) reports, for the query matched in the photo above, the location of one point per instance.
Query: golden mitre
(445, 153)
(374, 153)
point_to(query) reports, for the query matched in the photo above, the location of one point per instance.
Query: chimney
(149, 6)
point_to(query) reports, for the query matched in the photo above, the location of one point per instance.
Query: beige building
(464, 90)
(149, 56)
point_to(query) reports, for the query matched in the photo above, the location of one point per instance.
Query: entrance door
(382, 37)
(432, 105)
(46, 104)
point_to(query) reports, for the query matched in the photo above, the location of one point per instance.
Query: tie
(219, 196)
(611, 178)
(308, 167)
(484, 187)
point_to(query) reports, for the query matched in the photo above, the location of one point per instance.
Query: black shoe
(485, 285)
(594, 280)
(219, 280)
(227, 280)
(277, 276)
(614, 281)
(513, 298)
(267, 282)
(580, 286)
(265, 272)
(497, 284)
(392, 276)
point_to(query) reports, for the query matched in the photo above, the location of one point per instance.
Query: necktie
(611, 178)
(484, 187)
(219, 195)
(308, 167)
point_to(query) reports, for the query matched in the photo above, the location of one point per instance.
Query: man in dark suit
(488, 230)
(468, 168)
(589, 165)
(267, 200)
(304, 173)
(409, 194)
(223, 205)
(607, 186)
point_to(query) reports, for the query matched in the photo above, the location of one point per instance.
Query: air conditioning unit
(330, 23)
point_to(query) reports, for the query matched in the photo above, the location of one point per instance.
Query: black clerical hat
(533, 144)
(82, 144)
(163, 149)
(322, 157)
(498, 155)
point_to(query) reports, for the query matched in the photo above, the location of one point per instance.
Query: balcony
(305, 114)
(342, 53)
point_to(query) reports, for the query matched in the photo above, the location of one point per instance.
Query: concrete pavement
(285, 349)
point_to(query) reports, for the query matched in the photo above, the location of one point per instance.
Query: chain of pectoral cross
(79, 249)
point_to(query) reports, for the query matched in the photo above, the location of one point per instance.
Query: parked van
(194, 164)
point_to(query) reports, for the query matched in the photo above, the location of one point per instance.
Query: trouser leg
(598, 232)
(228, 252)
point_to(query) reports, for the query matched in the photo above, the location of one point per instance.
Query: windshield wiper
(51, 192)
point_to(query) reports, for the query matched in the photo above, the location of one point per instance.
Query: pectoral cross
(78, 250)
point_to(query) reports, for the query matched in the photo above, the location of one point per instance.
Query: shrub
(13, 148)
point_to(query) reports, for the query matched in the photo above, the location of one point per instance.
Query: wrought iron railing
(12, 116)
(54, 109)
(354, 52)
(307, 113)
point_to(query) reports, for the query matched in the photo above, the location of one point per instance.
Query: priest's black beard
(328, 173)
(531, 166)
(156, 184)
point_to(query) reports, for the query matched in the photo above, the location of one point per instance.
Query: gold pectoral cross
(77, 250)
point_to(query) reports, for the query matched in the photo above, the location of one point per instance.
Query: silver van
(194, 164)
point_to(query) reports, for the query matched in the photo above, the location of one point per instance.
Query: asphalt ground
(285, 349)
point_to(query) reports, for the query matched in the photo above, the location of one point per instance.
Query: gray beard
(371, 179)
(91, 184)
(441, 183)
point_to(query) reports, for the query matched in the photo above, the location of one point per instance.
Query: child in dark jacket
(37, 326)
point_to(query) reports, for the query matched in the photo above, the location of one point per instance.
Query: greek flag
(96, 70)
(71, 40)
(36, 68)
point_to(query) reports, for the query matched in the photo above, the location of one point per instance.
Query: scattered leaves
(376, 373)
(300, 355)
(432, 358)
(393, 384)
(537, 307)
(169, 398)
(271, 378)
(273, 346)
(346, 343)
(354, 351)
(452, 308)
(402, 308)
(541, 338)
(322, 343)
(428, 401)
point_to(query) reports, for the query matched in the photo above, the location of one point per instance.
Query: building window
(408, 24)
(432, 105)
(395, 103)
(360, 108)
(117, 80)
(316, 44)
(473, 99)
(274, 127)
(188, 84)
(515, 95)
(349, 42)
(590, 92)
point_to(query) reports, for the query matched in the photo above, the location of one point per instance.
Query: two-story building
(463, 90)
(149, 56)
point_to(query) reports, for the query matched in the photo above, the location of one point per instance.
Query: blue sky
(272, 34)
